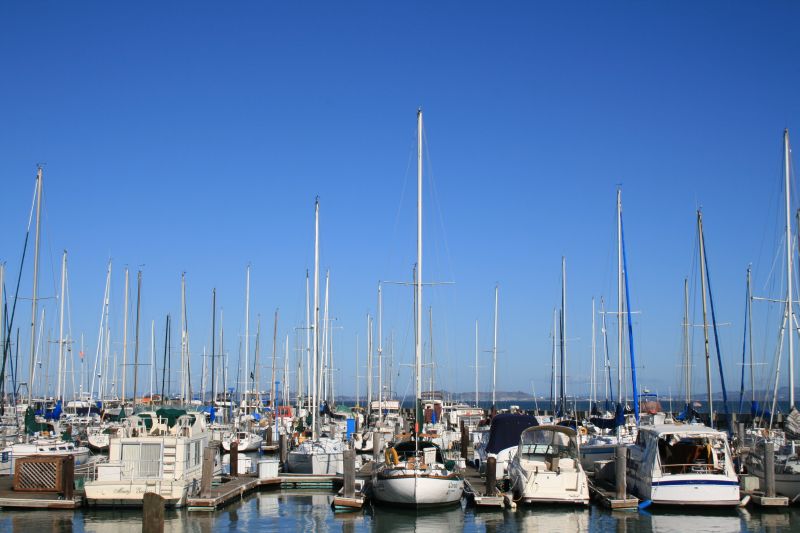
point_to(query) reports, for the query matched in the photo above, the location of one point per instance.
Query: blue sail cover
(610, 423)
(506, 429)
(630, 327)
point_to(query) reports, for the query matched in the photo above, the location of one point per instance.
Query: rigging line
(411, 157)
(7, 344)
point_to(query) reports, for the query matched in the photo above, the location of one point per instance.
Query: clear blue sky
(194, 136)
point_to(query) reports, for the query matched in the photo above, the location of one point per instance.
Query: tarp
(610, 423)
(170, 415)
(31, 425)
(506, 429)
(55, 414)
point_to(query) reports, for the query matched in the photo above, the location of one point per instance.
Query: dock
(474, 490)
(607, 497)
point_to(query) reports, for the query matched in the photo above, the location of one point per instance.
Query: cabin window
(142, 460)
(685, 455)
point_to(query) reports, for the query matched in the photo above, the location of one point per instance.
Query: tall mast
(563, 334)
(61, 366)
(476, 364)
(183, 339)
(594, 361)
(369, 366)
(136, 338)
(494, 348)
(152, 357)
(789, 273)
(380, 353)
(213, 346)
(553, 380)
(620, 370)
(750, 330)
(687, 355)
(418, 277)
(35, 281)
(705, 321)
(316, 318)
(246, 337)
(125, 336)
(273, 391)
(308, 344)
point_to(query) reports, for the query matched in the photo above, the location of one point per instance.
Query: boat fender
(391, 456)
(645, 504)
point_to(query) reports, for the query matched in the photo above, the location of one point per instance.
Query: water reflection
(299, 511)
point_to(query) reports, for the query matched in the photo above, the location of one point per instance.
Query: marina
(418, 267)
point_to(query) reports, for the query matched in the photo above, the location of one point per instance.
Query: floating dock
(474, 490)
(607, 497)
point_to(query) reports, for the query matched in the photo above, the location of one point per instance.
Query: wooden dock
(474, 489)
(10, 499)
(607, 496)
(232, 490)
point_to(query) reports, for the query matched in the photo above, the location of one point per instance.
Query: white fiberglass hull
(10, 454)
(317, 462)
(131, 493)
(701, 490)
(545, 486)
(415, 488)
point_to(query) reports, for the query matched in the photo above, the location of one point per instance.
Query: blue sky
(195, 136)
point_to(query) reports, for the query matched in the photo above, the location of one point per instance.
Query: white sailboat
(317, 455)
(414, 473)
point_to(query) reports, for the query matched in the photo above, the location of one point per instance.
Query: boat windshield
(691, 454)
(542, 444)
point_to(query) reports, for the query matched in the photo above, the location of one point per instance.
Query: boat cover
(506, 429)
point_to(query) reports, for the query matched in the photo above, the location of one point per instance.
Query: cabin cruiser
(50, 446)
(415, 474)
(502, 441)
(682, 464)
(164, 459)
(547, 468)
(248, 441)
(322, 456)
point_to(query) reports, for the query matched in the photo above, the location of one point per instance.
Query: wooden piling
(491, 475)
(464, 441)
(621, 457)
(68, 477)
(349, 458)
(152, 513)
(207, 474)
(269, 435)
(283, 447)
(769, 469)
(376, 446)
(234, 458)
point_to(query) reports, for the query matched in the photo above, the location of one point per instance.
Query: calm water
(302, 511)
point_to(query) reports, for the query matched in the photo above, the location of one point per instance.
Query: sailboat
(319, 454)
(787, 463)
(414, 472)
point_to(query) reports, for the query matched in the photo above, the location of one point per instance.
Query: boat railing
(691, 468)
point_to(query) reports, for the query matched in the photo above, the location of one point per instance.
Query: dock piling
(769, 469)
(491, 475)
(376, 446)
(152, 513)
(283, 447)
(207, 474)
(464, 441)
(234, 458)
(349, 457)
(620, 458)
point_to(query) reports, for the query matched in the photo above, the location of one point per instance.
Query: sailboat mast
(705, 321)
(316, 319)
(620, 371)
(418, 277)
(553, 380)
(136, 339)
(687, 356)
(213, 347)
(59, 392)
(789, 273)
(308, 343)
(494, 348)
(35, 282)
(380, 353)
(125, 336)
(750, 330)
(246, 336)
(476, 364)
(594, 362)
(273, 391)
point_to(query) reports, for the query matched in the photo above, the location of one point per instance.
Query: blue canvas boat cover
(506, 429)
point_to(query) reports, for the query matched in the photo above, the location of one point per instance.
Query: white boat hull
(317, 463)
(417, 489)
(131, 493)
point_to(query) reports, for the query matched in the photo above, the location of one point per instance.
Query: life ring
(391, 456)
(584, 431)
